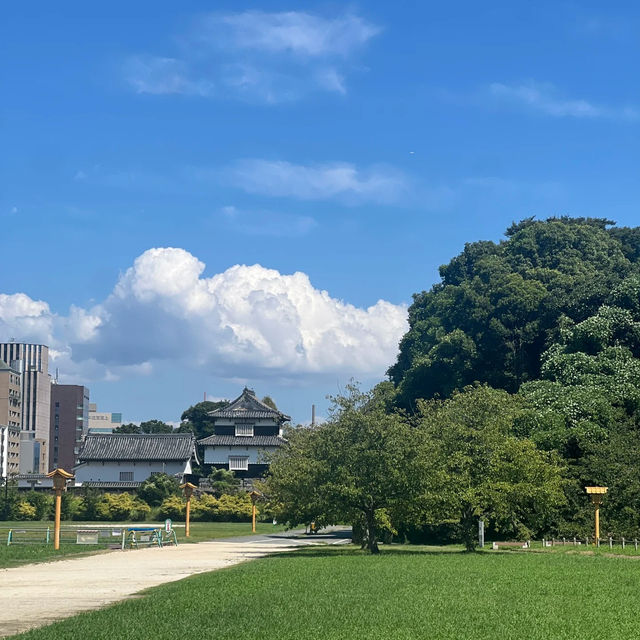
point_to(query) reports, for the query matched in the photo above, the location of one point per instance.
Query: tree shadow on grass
(345, 551)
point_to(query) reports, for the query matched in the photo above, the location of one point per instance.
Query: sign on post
(167, 525)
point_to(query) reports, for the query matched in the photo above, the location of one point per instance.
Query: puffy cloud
(246, 321)
(25, 319)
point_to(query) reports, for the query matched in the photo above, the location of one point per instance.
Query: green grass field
(18, 554)
(339, 593)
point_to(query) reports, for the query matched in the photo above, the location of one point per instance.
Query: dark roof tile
(139, 446)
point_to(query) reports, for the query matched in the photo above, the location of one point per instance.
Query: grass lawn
(18, 554)
(339, 593)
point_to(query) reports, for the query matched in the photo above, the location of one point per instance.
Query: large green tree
(484, 469)
(498, 306)
(364, 466)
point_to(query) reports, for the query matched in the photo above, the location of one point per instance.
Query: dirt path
(37, 594)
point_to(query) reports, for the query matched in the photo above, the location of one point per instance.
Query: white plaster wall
(110, 471)
(220, 455)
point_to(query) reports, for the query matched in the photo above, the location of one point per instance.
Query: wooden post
(59, 478)
(56, 523)
(254, 495)
(187, 523)
(596, 494)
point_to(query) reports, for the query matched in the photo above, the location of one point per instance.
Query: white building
(244, 431)
(126, 460)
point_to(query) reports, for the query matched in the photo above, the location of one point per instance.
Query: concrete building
(244, 431)
(10, 418)
(103, 421)
(69, 424)
(124, 461)
(32, 362)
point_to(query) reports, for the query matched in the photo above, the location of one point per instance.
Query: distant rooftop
(138, 446)
(246, 405)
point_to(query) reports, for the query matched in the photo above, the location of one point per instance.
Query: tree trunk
(372, 539)
(469, 525)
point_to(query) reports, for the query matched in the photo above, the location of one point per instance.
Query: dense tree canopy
(551, 315)
(498, 307)
(149, 426)
(197, 420)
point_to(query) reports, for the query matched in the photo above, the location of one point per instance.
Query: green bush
(226, 508)
(25, 511)
(157, 488)
(121, 506)
(172, 507)
(41, 502)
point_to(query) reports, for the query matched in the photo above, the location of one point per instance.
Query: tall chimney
(313, 415)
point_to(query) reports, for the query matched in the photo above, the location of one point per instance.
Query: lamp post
(254, 495)
(188, 488)
(59, 477)
(596, 494)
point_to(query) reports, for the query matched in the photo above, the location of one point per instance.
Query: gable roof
(246, 405)
(138, 446)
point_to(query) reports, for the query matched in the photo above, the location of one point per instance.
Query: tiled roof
(248, 406)
(139, 446)
(243, 441)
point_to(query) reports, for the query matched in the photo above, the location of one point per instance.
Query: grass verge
(339, 593)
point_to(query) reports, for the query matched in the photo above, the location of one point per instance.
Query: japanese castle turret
(244, 431)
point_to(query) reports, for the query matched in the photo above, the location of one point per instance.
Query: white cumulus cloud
(245, 321)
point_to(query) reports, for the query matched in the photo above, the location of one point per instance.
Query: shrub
(172, 507)
(158, 487)
(235, 508)
(25, 511)
(226, 508)
(204, 508)
(41, 502)
(121, 506)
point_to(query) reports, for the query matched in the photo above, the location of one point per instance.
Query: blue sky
(153, 149)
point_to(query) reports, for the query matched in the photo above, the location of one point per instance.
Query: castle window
(244, 430)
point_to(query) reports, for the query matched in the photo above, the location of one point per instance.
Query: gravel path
(37, 594)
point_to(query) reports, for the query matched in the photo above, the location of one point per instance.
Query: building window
(244, 430)
(238, 463)
(126, 476)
